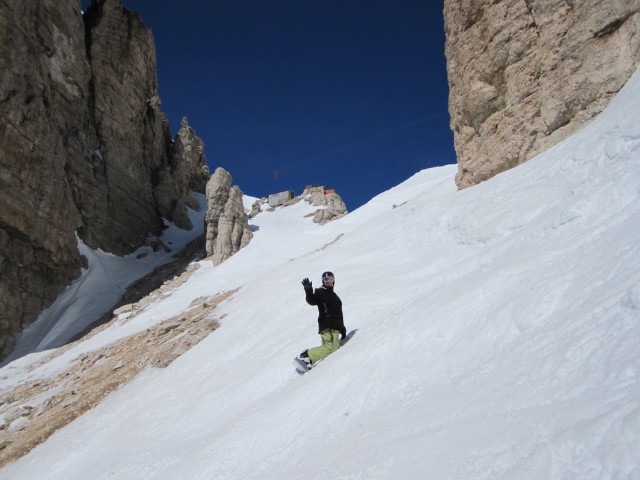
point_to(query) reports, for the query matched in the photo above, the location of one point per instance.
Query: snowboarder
(330, 321)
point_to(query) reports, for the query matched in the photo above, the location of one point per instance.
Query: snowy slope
(498, 338)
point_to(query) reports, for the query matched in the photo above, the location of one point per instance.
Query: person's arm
(308, 290)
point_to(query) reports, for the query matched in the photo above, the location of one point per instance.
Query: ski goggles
(328, 279)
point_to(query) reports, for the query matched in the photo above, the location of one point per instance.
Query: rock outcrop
(523, 75)
(84, 148)
(332, 206)
(226, 223)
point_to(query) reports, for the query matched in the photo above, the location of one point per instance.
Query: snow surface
(498, 338)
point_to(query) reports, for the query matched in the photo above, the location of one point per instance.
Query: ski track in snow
(498, 338)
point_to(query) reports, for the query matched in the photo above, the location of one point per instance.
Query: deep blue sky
(347, 93)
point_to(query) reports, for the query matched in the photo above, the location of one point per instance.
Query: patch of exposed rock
(332, 205)
(84, 148)
(257, 206)
(226, 223)
(524, 75)
(32, 411)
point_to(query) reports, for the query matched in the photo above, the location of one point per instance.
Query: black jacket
(329, 309)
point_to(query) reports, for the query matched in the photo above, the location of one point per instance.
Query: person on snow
(330, 321)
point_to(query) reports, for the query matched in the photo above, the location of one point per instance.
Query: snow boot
(304, 360)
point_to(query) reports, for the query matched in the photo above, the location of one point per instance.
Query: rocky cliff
(85, 151)
(525, 74)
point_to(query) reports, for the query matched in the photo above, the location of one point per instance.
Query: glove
(306, 283)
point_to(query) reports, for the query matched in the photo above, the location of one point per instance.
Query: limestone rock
(46, 143)
(257, 206)
(226, 223)
(85, 151)
(186, 173)
(332, 205)
(133, 133)
(524, 75)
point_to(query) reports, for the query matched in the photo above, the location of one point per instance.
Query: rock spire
(226, 223)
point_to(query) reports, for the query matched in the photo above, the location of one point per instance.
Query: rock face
(44, 84)
(524, 74)
(226, 223)
(133, 134)
(85, 151)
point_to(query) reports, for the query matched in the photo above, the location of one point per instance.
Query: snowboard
(301, 366)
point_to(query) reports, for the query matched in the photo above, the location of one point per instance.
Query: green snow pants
(330, 343)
